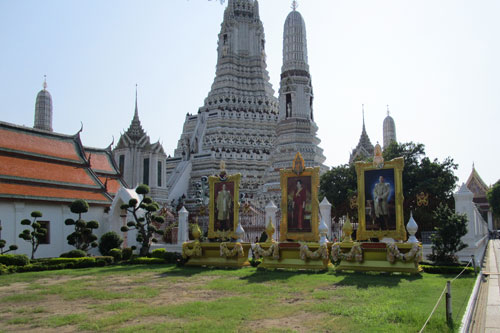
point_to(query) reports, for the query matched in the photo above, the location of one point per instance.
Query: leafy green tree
(143, 224)
(420, 174)
(83, 237)
(493, 196)
(447, 240)
(37, 233)
(339, 186)
(3, 243)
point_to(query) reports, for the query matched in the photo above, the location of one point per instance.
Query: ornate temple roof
(102, 163)
(476, 184)
(41, 165)
(43, 109)
(364, 149)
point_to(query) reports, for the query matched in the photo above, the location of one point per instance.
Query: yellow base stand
(375, 258)
(210, 256)
(289, 257)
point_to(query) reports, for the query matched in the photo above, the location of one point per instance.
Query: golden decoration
(356, 253)
(422, 199)
(270, 231)
(237, 250)
(196, 251)
(196, 231)
(414, 254)
(378, 159)
(212, 180)
(273, 251)
(347, 231)
(321, 252)
(397, 165)
(354, 202)
(312, 236)
(298, 165)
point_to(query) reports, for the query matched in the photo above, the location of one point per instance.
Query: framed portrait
(299, 204)
(380, 200)
(223, 206)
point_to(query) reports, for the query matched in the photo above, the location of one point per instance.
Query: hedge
(146, 261)
(14, 259)
(446, 269)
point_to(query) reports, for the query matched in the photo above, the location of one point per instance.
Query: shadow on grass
(374, 279)
(266, 275)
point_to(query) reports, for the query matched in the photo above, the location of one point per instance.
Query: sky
(435, 63)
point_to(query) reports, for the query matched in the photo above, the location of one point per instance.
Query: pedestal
(375, 258)
(210, 256)
(289, 257)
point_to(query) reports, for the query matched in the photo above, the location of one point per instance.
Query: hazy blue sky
(436, 63)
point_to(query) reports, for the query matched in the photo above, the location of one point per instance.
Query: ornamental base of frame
(375, 258)
(211, 256)
(290, 257)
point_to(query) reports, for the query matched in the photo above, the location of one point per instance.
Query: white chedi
(412, 228)
(240, 233)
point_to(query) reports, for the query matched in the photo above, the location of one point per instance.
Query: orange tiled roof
(99, 161)
(112, 184)
(46, 193)
(45, 171)
(40, 144)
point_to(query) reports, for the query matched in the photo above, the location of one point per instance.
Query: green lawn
(166, 298)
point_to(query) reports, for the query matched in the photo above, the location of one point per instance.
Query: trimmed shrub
(108, 260)
(146, 261)
(446, 269)
(14, 259)
(127, 253)
(116, 254)
(74, 254)
(158, 253)
(108, 241)
(172, 257)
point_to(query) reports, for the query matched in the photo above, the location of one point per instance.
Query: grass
(163, 298)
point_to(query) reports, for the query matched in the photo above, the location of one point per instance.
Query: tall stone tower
(237, 122)
(43, 109)
(296, 129)
(389, 129)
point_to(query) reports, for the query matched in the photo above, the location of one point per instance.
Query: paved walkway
(487, 312)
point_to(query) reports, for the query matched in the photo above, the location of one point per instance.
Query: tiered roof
(46, 166)
(104, 166)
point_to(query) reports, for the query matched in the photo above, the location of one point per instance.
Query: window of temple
(46, 226)
(225, 39)
(145, 172)
(160, 171)
(311, 107)
(288, 105)
(121, 163)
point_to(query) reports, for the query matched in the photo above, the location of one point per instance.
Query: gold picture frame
(301, 224)
(223, 229)
(380, 216)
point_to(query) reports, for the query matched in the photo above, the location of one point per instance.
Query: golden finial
(45, 82)
(294, 5)
(222, 166)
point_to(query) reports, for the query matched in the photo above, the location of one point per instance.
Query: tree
(143, 224)
(493, 196)
(108, 241)
(339, 186)
(447, 240)
(3, 243)
(434, 178)
(37, 234)
(82, 238)
(420, 174)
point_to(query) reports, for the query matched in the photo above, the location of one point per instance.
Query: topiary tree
(447, 240)
(3, 243)
(108, 241)
(36, 235)
(144, 224)
(82, 238)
